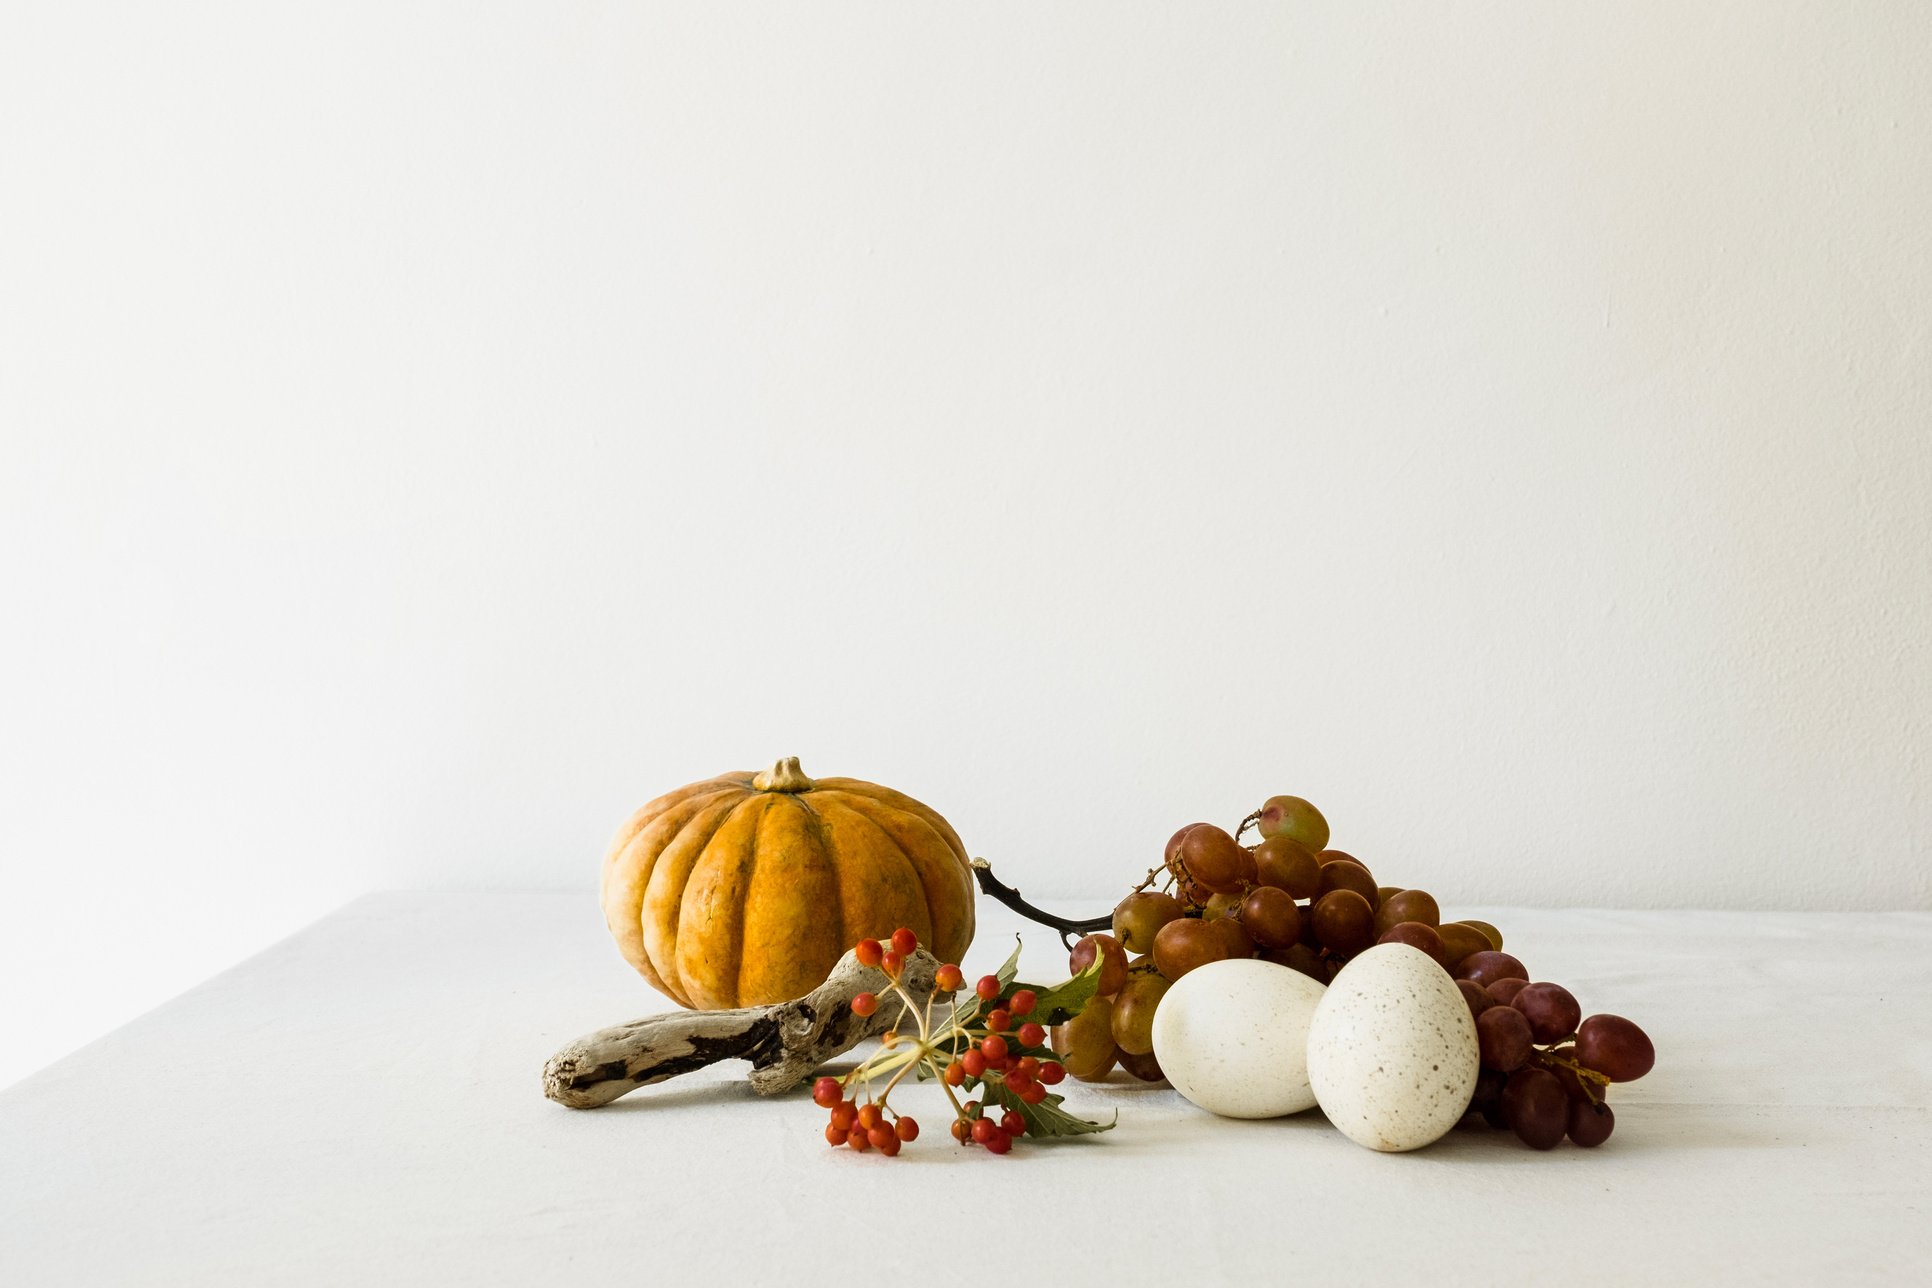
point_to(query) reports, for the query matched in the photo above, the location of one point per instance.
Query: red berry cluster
(988, 1046)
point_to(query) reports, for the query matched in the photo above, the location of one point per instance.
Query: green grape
(1234, 936)
(1140, 916)
(1185, 944)
(1295, 818)
(1085, 1043)
(1287, 864)
(1215, 860)
(1133, 1022)
(1408, 905)
(1461, 941)
(1222, 905)
(1489, 932)
(1113, 973)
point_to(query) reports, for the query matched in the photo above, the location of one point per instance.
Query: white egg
(1392, 1051)
(1232, 1036)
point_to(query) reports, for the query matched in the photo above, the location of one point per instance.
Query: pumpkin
(746, 889)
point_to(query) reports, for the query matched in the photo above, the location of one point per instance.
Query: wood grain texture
(785, 1042)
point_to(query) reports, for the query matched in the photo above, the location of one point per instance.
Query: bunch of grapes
(1545, 1068)
(1291, 900)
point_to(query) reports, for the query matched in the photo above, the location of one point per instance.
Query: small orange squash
(747, 888)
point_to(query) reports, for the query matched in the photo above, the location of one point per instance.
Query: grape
(1487, 968)
(1185, 944)
(1488, 1098)
(1505, 990)
(1417, 935)
(1478, 1000)
(1085, 1043)
(1460, 941)
(1337, 856)
(1590, 1125)
(1234, 937)
(1384, 893)
(1295, 818)
(1408, 905)
(1144, 1067)
(1535, 1106)
(1139, 917)
(1344, 875)
(1270, 917)
(1503, 1037)
(1133, 1022)
(1298, 957)
(1551, 1011)
(1286, 864)
(1113, 973)
(1614, 1047)
(1172, 855)
(1489, 932)
(1214, 859)
(1344, 922)
(1222, 905)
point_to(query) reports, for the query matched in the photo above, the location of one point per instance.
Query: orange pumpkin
(747, 888)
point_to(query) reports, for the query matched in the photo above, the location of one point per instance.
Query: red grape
(1487, 968)
(1534, 1105)
(1271, 917)
(1503, 1037)
(1590, 1125)
(1417, 935)
(1344, 922)
(1550, 1010)
(1614, 1047)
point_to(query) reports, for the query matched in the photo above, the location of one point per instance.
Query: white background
(430, 431)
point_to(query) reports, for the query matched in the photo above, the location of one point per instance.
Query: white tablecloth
(361, 1105)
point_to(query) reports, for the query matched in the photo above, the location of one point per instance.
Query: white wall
(430, 430)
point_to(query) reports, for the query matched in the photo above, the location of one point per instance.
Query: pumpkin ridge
(900, 801)
(706, 824)
(824, 850)
(627, 874)
(932, 864)
(712, 906)
(751, 874)
(892, 844)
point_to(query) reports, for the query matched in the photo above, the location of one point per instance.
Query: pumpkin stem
(783, 776)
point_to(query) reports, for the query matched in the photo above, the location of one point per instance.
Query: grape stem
(1247, 823)
(1068, 927)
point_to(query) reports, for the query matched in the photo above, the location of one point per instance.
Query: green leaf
(1060, 1003)
(968, 1005)
(1047, 1119)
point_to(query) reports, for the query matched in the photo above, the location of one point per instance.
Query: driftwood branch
(785, 1042)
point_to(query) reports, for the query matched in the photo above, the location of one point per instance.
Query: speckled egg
(1232, 1036)
(1392, 1050)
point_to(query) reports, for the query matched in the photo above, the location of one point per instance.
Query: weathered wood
(784, 1042)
